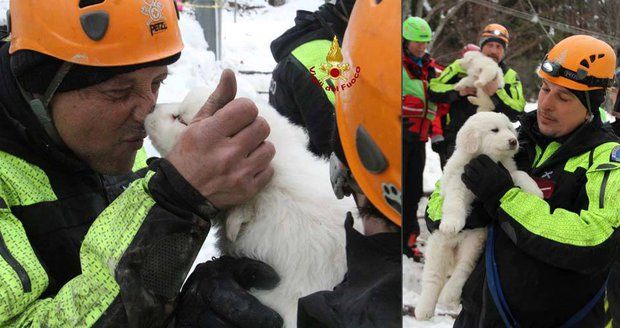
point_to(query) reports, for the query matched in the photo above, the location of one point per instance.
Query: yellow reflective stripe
(550, 150)
(435, 203)
(140, 161)
(312, 55)
(515, 99)
(23, 183)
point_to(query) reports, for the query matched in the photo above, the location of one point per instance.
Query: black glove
(439, 146)
(488, 180)
(215, 295)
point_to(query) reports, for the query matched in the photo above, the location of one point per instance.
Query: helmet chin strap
(40, 106)
(590, 115)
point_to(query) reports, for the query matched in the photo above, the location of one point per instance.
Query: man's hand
(215, 295)
(488, 180)
(468, 91)
(491, 88)
(223, 152)
(438, 144)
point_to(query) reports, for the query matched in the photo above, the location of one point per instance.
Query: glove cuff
(168, 186)
(491, 204)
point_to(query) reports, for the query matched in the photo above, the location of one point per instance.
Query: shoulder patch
(615, 154)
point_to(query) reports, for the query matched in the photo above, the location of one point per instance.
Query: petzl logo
(154, 10)
(333, 73)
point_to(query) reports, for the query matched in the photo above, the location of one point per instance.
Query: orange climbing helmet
(368, 110)
(580, 62)
(496, 33)
(96, 32)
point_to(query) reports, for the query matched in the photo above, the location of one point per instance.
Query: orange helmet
(368, 107)
(580, 62)
(496, 33)
(96, 32)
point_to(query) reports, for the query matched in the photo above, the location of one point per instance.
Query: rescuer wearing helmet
(367, 165)
(90, 236)
(509, 100)
(300, 88)
(546, 261)
(418, 68)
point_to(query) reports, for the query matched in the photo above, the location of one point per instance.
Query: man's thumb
(224, 93)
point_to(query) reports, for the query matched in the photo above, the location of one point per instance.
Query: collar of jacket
(586, 137)
(362, 249)
(415, 70)
(21, 134)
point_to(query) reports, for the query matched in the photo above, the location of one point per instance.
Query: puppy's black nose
(513, 143)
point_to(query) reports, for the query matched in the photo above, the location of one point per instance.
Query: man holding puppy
(508, 100)
(546, 261)
(87, 239)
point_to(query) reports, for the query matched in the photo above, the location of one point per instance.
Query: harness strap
(495, 288)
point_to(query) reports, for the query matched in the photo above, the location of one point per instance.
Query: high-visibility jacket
(80, 249)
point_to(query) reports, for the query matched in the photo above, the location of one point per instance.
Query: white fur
(295, 224)
(448, 246)
(480, 71)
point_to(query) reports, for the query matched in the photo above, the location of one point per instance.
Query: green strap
(312, 55)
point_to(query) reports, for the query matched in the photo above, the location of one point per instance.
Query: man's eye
(118, 94)
(156, 85)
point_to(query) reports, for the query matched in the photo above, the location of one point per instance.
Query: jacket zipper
(601, 196)
(19, 269)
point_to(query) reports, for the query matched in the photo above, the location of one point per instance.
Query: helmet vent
(592, 58)
(86, 3)
(584, 63)
(370, 154)
(601, 56)
(95, 24)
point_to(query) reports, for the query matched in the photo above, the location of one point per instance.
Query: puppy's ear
(468, 140)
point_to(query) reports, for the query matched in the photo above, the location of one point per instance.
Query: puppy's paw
(450, 297)
(451, 226)
(424, 312)
(473, 100)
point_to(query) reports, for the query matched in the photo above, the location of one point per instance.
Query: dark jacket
(554, 254)
(86, 249)
(293, 92)
(370, 295)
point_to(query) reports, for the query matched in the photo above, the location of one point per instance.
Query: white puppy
(486, 133)
(481, 70)
(295, 224)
